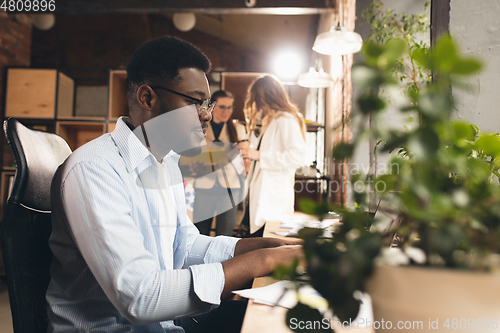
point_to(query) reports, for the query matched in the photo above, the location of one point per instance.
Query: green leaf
(371, 103)
(310, 233)
(395, 140)
(302, 318)
(343, 150)
(312, 207)
(393, 50)
(462, 130)
(444, 55)
(489, 144)
(423, 143)
(307, 206)
(365, 76)
(376, 145)
(435, 105)
(348, 311)
(423, 58)
(466, 66)
(371, 52)
(286, 272)
(385, 183)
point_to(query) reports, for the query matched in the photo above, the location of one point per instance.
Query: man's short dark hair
(159, 61)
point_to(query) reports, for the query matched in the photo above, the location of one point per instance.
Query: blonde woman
(279, 150)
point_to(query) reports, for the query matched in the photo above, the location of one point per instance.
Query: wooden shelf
(118, 104)
(77, 133)
(38, 93)
(82, 118)
(44, 99)
(111, 126)
(65, 96)
(312, 126)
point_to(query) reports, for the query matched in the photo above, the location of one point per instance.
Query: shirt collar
(130, 147)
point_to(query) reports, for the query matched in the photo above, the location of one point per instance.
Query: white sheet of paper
(296, 225)
(290, 224)
(278, 294)
(282, 294)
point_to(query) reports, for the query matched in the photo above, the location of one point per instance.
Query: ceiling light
(44, 21)
(338, 41)
(184, 21)
(314, 79)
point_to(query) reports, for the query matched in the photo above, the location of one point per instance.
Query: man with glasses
(126, 256)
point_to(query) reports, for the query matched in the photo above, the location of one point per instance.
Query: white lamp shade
(44, 21)
(314, 79)
(338, 41)
(184, 21)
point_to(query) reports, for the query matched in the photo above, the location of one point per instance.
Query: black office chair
(26, 225)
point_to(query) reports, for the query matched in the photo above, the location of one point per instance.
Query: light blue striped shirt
(108, 271)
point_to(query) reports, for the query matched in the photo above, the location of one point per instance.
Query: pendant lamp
(184, 21)
(338, 41)
(314, 79)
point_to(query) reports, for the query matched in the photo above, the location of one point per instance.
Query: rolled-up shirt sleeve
(204, 260)
(206, 250)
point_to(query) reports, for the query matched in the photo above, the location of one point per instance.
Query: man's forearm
(245, 245)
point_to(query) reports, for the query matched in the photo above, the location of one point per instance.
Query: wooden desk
(264, 318)
(267, 319)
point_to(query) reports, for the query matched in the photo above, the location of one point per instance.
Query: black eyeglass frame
(209, 106)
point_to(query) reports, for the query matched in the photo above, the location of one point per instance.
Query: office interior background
(88, 40)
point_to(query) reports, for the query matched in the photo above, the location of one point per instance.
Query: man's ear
(146, 97)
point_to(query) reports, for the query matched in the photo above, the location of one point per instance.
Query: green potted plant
(443, 187)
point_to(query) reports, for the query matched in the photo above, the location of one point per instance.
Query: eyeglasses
(203, 105)
(224, 108)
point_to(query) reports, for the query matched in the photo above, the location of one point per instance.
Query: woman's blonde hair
(267, 94)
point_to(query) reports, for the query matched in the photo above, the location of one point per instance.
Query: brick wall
(15, 50)
(15, 45)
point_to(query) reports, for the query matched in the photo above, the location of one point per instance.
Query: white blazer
(271, 182)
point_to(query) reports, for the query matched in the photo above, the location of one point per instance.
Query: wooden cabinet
(44, 99)
(78, 133)
(38, 93)
(118, 105)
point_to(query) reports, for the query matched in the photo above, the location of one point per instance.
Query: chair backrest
(26, 225)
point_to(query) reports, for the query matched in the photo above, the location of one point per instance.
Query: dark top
(217, 128)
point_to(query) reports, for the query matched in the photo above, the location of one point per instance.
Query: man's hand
(245, 245)
(241, 269)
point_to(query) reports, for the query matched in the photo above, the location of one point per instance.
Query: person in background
(126, 257)
(279, 149)
(213, 190)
